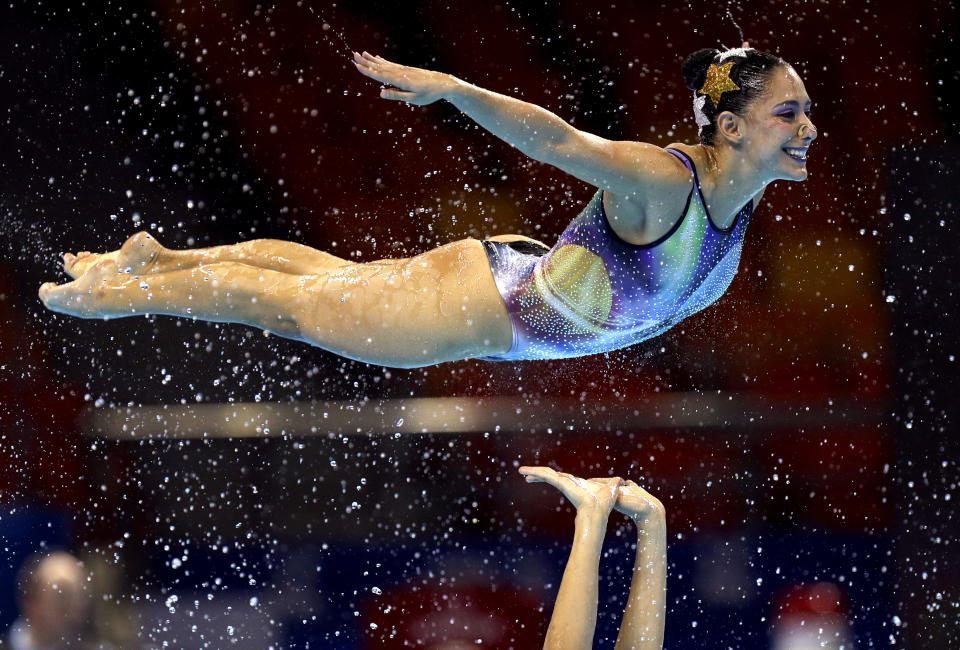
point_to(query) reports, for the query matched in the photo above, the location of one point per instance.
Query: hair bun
(695, 67)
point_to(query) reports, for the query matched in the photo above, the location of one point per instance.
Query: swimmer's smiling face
(772, 127)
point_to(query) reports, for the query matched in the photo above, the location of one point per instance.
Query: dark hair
(751, 72)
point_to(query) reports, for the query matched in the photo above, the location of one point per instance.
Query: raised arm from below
(643, 617)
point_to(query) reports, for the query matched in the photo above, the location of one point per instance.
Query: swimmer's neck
(728, 179)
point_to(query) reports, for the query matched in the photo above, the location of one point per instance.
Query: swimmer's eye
(792, 115)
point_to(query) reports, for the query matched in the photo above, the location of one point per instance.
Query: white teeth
(796, 153)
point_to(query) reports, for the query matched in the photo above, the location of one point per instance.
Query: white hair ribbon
(698, 114)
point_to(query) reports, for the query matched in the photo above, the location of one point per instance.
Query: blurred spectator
(812, 617)
(53, 599)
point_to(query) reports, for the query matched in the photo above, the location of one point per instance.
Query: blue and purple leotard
(593, 292)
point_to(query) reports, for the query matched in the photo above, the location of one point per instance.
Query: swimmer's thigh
(440, 306)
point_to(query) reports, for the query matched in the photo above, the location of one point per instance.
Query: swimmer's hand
(411, 85)
(637, 503)
(594, 495)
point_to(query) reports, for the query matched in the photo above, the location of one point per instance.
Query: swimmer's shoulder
(657, 176)
(663, 185)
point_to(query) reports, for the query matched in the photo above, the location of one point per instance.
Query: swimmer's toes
(104, 268)
(45, 290)
(77, 265)
(55, 297)
(81, 297)
(69, 259)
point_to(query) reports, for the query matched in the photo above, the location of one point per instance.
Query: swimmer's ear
(730, 127)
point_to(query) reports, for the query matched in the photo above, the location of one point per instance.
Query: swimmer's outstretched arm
(643, 618)
(575, 611)
(622, 167)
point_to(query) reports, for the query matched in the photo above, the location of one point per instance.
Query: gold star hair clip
(718, 81)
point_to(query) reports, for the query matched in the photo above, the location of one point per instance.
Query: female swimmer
(660, 239)
(575, 611)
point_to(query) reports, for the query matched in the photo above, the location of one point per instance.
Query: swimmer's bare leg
(143, 254)
(439, 306)
(273, 254)
(218, 292)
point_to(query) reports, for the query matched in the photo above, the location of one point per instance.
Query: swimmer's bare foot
(139, 255)
(95, 294)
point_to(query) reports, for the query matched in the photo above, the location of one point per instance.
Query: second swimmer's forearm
(643, 618)
(528, 127)
(575, 611)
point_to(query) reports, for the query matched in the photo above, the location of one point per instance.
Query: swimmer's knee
(509, 239)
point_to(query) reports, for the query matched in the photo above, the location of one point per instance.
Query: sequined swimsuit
(593, 292)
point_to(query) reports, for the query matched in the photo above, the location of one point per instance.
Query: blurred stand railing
(745, 411)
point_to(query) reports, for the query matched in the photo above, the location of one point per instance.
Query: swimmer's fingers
(637, 503)
(413, 85)
(366, 67)
(566, 483)
(580, 492)
(539, 475)
(385, 71)
(400, 95)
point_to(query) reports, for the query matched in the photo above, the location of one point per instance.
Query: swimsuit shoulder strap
(746, 210)
(688, 162)
(684, 158)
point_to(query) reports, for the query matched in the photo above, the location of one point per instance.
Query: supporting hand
(637, 503)
(643, 618)
(575, 611)
(596, 494)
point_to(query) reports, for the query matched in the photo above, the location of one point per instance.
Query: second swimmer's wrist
(649, 520)
(592, 515)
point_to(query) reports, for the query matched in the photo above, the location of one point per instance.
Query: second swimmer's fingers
(566, 481)
(612, 483)
(539, 474)
(608, 480)
(635, 488)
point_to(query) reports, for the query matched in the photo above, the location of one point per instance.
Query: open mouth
(798, 154)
